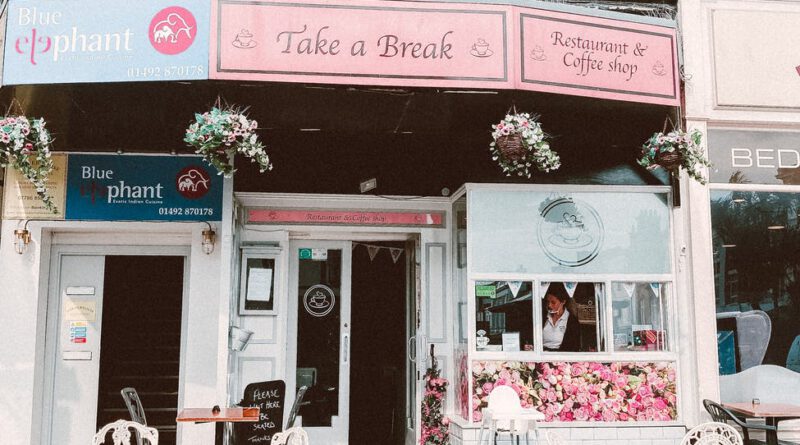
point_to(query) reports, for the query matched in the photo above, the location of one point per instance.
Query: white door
(319, 337)
(415, 345)
(75, 312)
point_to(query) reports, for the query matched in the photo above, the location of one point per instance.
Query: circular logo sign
(193, 182)
(570, 232)
(172, 30)
(319, 300)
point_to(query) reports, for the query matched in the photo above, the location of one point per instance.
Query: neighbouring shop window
(504, 308)
(639, 312)
(756, 246)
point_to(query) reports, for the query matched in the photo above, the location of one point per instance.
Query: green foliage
(221, 133)
(25, 147)
(686, 145)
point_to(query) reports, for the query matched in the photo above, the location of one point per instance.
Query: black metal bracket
(675, 184)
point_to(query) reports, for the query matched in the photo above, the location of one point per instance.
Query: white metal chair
(121, 434)
(505, 415)
(292, 436)
(712, 433)
(554, 439)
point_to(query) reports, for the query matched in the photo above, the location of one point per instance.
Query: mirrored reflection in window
(756, 241)
(570, 321)
(504, 315)
(639, 312)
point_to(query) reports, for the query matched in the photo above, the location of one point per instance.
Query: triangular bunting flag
(396, 252)
(570, 288)
(629, 287)
(372, 250)
(514, 287)
(656, 287)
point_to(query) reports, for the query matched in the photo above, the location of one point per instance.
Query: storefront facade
(347, 293)
(747, 216)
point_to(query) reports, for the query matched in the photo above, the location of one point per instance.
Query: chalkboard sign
(269, 396)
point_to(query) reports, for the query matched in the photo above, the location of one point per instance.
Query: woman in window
(561, 331)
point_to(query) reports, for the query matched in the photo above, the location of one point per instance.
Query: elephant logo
(172, 30)
(193, 182)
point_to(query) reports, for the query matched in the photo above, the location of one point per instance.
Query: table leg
(772, 436)
(219, 433)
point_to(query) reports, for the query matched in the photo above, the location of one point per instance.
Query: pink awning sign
(348, 218)
(597, 57)
(363, 42)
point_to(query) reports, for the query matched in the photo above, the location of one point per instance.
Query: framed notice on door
(259, 281)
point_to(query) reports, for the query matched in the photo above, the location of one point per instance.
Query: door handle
(411, 345)
(346, 348)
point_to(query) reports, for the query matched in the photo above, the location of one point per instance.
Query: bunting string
(373, 250)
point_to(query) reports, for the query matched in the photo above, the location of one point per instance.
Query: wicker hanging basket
(669, 160)
(511, 147)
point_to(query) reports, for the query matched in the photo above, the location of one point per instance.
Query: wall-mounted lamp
(209, 238)
(22, 237)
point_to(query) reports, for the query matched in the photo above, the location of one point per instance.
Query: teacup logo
(481, 49)
(537, 53)
(658, 69)
(570, 231)
(319, 300)
(244, 40)
(172, 30)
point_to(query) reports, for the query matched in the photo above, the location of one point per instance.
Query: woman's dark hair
(557, 290)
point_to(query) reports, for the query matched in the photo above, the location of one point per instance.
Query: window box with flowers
(219, 134)
(25, 147)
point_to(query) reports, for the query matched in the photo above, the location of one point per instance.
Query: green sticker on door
(486, 290)
(305, 254)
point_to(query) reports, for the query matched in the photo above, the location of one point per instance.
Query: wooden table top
(764, 409)
(224, 415)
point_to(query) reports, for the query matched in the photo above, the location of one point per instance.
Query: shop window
(756, 243)
(504, 315)
(571, 316)
(639, 312)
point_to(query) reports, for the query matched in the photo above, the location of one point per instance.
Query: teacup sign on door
(319, 300)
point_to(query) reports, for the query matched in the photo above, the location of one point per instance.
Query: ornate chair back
(712, 433)
(121, 433)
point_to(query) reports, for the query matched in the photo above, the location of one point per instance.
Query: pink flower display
(434, 428)
(462, 377)
(582, 391)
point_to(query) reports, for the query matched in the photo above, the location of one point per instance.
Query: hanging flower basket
(25, 147)
(675, 150)
(220, 133)
(520, 146)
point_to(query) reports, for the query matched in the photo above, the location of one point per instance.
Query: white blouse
(553, 334)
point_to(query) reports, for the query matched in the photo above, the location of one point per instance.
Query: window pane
(570, 314)
(757, 275)
(318, 337)
(503, 307)
(639, 312)
(587, 232)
